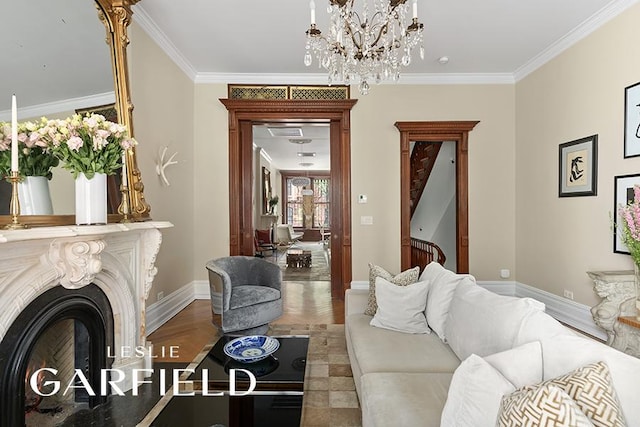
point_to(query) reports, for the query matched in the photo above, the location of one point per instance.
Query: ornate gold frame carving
(116, 16)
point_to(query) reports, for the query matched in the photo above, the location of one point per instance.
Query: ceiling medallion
(370, 44)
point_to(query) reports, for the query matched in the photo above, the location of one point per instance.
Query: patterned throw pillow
(546, 405)
(591, 388)
(405, 278)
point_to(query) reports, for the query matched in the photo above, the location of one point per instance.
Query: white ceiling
(284, 154)
(260, 38)
(55, 57)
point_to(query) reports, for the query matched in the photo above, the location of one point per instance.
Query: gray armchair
(245, 293)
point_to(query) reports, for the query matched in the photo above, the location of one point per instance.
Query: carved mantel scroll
(76, 260)
(618, 292)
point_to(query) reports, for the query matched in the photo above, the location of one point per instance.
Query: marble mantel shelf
(34, 233)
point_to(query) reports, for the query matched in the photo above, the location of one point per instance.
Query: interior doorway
(458, 132)
(243, 115)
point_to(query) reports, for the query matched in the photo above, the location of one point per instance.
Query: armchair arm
(219, 282)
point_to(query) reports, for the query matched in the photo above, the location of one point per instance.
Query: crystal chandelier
(364, 46)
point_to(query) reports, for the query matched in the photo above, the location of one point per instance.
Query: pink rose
(75, 142)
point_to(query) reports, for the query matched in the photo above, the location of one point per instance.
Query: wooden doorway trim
(434, 132)
(242, 114)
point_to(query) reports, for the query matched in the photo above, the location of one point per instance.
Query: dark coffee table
(298, 258)
(276, 400)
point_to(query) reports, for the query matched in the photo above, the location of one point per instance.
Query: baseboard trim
(566, 311)
(499, 287)
(160, 312)
(359, 284)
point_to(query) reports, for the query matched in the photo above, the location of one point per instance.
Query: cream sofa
(404, 379)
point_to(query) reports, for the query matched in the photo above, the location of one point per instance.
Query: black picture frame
(622, 195)
(632, 121)
(578, 167)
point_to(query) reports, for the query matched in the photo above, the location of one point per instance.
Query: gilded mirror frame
(116, 17)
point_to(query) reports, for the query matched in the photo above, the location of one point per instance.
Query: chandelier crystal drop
(370, 44)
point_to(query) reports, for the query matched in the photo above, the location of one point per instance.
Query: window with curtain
(320, 199)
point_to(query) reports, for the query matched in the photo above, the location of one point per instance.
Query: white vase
(34, 196)
(91, 199)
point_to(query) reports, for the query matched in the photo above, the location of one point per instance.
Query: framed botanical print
(578, 167)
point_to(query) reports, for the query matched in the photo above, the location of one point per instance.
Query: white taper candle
(14, 134)
(415, 9)
(125, 177)
(312, 5)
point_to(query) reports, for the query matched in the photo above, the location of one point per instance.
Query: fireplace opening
(61, 337)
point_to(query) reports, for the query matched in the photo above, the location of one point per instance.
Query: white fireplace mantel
(118, 258)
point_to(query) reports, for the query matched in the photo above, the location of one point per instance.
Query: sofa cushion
(401, 308)
(474, 395)
(540, 326)
(442, 285)
(382, 350)
(521, 365)
(562, 354)
(545, 405)
(403, 399)
(402, 279)
(591, 388)
(482, 322)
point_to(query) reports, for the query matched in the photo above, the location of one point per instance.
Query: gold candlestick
(123, 209)
(14, 207)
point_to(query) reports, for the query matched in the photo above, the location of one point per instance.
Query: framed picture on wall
(632, 120)
(623, 193)
(578, 167)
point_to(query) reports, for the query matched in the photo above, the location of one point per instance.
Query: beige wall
(167, 104)
(375, 167)
(579, 93)
(375, 170)
(211, 177)
(163, 97)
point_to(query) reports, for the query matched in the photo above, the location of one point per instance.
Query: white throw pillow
(402, 279)
(482, 322)
(401, 308)
(442, 285)
(474, 396)
(520, 365)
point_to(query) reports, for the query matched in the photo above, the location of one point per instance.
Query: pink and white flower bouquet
(88, 144)
(34, 155)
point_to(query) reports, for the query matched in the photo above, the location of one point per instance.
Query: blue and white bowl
(251, 348)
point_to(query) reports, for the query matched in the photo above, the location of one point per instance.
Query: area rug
(320, 269)
(330, 399)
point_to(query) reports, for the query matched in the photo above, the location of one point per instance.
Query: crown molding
(149, 26)
(604, 15)
(321, 79)
(71, 104)
(598, 19)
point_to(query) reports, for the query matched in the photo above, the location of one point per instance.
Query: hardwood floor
(191, 329)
